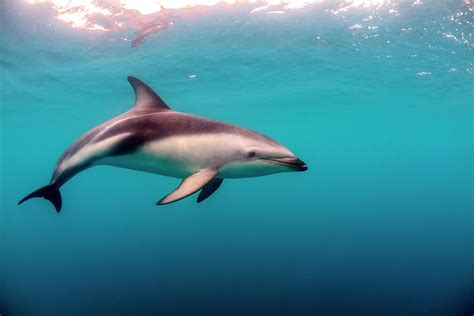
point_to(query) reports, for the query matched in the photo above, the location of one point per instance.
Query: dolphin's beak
(294, 163)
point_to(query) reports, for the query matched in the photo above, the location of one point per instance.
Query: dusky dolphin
(153, 138)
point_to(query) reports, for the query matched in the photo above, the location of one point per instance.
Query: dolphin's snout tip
(300, 165)
(293, 163)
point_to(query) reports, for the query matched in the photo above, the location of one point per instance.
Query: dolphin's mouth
(294, 163)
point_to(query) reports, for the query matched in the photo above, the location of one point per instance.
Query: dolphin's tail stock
(49, 192)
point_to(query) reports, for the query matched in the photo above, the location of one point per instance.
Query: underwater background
(376, 99)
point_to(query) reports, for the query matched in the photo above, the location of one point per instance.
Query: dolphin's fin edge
(49, 192)
(145, 97)
(209, 189)
(189, 185)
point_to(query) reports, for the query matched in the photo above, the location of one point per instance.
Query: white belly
(177, 157)
(146, 162)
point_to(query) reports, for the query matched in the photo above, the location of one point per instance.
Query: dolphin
(151, 137)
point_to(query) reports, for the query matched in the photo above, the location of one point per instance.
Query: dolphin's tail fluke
(49, 192)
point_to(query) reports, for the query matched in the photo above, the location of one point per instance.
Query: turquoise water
(377, 103)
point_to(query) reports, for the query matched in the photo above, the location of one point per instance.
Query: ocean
(375, 96)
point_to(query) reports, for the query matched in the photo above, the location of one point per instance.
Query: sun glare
(146, 17)
(83, 13)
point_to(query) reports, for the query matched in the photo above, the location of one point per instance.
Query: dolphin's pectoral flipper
(209, 189)
(49, 192)
(190, 185)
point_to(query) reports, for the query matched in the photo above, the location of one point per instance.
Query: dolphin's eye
(251, 154)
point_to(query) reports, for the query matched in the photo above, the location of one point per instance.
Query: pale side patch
(180, 156)
(90, 151)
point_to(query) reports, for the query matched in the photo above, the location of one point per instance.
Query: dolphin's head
(259, 156)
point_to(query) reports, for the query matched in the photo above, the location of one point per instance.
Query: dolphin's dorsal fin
(145, 97)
